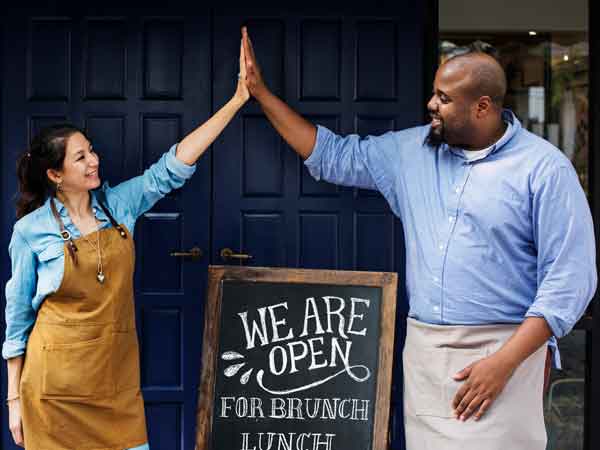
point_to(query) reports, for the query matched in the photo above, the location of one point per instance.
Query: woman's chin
(95, 184)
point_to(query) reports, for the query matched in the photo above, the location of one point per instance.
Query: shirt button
(451, 219)
(457, 190)
(436, 279)
(441, 246)
(436, 308)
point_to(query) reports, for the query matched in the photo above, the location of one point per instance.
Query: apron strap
(113, 222)
(66, 236)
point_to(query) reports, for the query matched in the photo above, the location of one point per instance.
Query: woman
(71, 345)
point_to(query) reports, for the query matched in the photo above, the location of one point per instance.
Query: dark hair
(46, 151)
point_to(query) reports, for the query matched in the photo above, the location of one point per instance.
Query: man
(500, 251)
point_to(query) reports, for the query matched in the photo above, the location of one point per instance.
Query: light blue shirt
(494, 239)
(37, 249)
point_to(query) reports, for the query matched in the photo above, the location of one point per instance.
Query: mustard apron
(80, 384)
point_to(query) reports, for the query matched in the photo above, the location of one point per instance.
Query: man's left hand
(484, 381)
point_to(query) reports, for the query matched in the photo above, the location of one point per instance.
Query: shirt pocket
(428, 374)
(78, 370)
(51, 252)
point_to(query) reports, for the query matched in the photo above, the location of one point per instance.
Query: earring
(59, 186)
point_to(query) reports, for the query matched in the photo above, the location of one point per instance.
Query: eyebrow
(81, 150)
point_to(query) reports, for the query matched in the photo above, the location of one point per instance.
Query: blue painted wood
(354, 72)
(160, 78)
(136, 93)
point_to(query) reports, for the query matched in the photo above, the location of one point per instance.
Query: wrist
(507, 359)
(237, 101)
(260, 93)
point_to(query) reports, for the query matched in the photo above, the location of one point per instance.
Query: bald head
(480, 74)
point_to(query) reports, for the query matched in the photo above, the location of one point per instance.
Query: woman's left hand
(242, 92)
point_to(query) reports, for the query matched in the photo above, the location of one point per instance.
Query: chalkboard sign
(296, 360)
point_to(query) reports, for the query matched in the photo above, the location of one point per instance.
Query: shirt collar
(513, 127)
(62, 209)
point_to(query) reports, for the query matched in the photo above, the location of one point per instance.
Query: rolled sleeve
(19, 313)
(177, 167)
(564, 236)
(313, 162)
(140, 193)
(352, 160)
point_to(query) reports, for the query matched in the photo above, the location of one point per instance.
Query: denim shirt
(493, 239)
(37, 249)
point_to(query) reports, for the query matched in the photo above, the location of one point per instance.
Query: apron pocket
(127, 361)
(456, 360)
(428, 375)
(76, 370)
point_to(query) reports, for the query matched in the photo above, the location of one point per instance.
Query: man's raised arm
(298, 132)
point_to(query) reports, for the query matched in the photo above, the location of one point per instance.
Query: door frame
(592, 378)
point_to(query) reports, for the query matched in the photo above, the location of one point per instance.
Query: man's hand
(254, 79)
(485, 380)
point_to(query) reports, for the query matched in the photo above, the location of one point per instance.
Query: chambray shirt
(37, 248)
(495, 239)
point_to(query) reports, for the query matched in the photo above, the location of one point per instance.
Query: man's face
(450, 108)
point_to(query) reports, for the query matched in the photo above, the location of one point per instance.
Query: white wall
(513, 15)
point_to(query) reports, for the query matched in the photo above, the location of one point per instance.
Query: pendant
(100, 277)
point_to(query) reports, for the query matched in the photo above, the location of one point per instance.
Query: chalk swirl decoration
(233, 369)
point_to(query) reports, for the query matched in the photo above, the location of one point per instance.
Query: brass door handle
(194, 253)
(227, 253)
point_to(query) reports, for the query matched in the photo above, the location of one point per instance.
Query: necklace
(100, 274)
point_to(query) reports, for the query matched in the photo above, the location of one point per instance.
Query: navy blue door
(139, 80)
(359, 72)
(137, 83)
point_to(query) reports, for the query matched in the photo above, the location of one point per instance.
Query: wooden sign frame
(217, 274)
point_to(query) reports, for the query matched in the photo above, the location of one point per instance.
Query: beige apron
(80, 385)
(432, 354)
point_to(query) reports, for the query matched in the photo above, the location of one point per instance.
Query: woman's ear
(54, 176)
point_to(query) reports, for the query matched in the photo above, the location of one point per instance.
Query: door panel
(137, 83)
(140, 79)
(350, 73)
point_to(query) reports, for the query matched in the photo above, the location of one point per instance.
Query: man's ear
(484, 105)
(54, 175)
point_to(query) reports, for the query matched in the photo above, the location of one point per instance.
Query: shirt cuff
(313, 162)
(556, 329)
(553, 345)
(11, 349)
(177, 166)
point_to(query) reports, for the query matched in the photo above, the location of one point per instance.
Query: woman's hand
(242, 93)
(14, 421)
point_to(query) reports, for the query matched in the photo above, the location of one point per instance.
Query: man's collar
(514, 126)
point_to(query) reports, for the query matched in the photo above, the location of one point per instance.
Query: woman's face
(80, 168)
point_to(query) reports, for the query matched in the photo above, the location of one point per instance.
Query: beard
(436, 136)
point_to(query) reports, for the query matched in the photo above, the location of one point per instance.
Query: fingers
(17, 434)
(482, 409)
(464, 403)
(242, 61)
(251, 49)
(459, 395)
(463, 374)
(472, 407)
(246, 45)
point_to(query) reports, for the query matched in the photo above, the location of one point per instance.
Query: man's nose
(432, 104)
